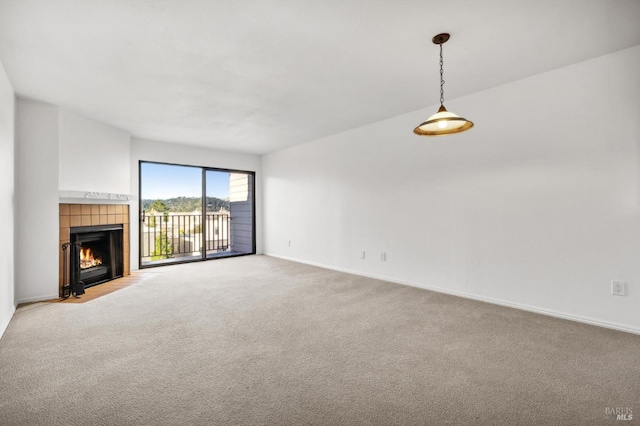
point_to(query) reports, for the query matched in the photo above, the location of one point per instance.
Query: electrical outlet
(289, 243)
(619, 288)
(362, 254)
(383, 256)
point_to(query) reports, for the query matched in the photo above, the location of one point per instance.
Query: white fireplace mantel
(89, 197)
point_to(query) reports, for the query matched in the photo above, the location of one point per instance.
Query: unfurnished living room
(319, 213)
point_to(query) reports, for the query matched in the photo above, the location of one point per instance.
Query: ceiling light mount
(441, 38)
(442, 122)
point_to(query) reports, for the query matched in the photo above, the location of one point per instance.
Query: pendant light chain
(441, 78)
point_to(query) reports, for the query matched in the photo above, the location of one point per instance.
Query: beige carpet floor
(263, 341)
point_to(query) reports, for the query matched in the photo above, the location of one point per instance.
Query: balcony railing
(179, 235)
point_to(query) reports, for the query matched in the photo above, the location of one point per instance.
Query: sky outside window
(164, 181)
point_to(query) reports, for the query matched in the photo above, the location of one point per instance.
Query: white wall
(7, 200)
(538, 206)
(193, 156)
(37, 224)
(94, 157)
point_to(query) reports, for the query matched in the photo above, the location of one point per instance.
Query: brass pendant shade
(442, 122)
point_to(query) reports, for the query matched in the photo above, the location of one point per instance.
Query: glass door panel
(171, 213)
(241, 206)
(230, 213)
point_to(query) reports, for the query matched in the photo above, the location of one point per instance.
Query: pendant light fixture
(443, 122)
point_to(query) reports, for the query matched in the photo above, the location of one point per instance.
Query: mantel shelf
(93, 196)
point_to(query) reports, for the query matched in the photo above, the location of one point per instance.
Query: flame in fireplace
(87, 259)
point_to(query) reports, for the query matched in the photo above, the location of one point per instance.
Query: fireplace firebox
(96, 254)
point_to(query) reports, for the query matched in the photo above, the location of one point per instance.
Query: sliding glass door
(193, 213)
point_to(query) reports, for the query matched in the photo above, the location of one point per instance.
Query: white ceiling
(257, 76)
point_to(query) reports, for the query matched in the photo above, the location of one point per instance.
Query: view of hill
(184, 204)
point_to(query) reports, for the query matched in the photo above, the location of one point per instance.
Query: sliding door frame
(203, 227)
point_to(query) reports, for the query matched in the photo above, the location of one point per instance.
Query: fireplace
(98, 227)
(96, 254)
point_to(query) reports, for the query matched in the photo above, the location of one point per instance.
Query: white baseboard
(38, 299)
(537, 310)
(5, 321)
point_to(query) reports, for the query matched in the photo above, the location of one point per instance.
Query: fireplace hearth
(96, 254)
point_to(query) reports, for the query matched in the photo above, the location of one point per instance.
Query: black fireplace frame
(114, 235)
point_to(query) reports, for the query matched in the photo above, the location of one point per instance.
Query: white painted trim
(548, 312)
(5, 322)
(38, 299)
